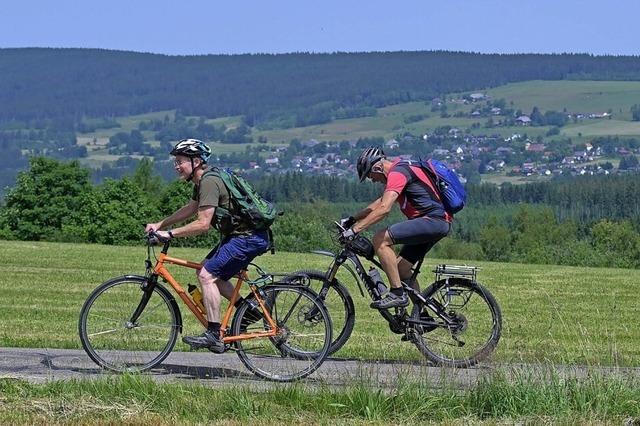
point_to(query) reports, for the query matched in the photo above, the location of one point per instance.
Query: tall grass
(527, 397)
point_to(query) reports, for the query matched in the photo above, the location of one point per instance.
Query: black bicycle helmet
(367, 159)
(192, 148)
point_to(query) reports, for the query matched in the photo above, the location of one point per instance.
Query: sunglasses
(180, 163)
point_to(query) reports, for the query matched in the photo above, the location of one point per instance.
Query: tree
(536, 117)
(617, 243)
(47, 196)
(495, 241)
(144, 177)
(628, 162)
(113, 214)
(635, 112)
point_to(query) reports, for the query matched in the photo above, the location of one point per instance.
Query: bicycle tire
(439, 343)
(281, 358)
(338, 302)
(122, 346)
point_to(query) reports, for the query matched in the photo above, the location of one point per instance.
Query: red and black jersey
(417, 193)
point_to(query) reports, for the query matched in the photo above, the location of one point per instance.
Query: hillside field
(551, 313)
(574, 96)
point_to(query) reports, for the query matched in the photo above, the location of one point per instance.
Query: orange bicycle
(131, 323)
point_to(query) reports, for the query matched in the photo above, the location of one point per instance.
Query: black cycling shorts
(418, 235)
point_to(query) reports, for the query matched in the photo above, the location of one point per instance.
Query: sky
(196, 27)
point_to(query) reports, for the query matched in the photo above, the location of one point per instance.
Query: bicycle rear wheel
(475, 329)
(115, 342)
(302, 343)
(338, 302)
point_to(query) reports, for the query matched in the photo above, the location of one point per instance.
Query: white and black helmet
(367, 159)
(192, 148)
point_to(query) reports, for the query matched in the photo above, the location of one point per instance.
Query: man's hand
(152, 227)
(347, 222)
(348, 234)
(156, 237)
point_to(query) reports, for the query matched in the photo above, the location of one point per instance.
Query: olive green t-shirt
(211, 192)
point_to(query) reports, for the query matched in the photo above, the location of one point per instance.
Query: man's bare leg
(405, 269)
(384, 249)
(211, 300)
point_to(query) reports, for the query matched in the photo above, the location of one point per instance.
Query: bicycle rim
(476, 329)
(112, 341)
(339, 304)
(302, 343)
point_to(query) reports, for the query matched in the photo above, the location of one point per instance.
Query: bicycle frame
(358, 272)
(160, 270)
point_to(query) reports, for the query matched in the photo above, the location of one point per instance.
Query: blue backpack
(452, 193)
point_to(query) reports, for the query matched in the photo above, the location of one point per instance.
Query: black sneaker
(208, 340)
(391, 301)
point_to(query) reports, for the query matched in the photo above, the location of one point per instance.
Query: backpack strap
(422, 177)
(272, 245)
(220, 210)
(429, 177)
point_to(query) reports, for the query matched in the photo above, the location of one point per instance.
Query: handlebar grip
(153, 237)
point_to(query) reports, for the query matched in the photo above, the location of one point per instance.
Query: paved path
(42, 365)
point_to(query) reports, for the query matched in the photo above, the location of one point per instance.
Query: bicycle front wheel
(474, 328)
(338, 302)
(114, 339)
(302, 342)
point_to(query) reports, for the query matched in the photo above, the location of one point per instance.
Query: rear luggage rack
(461, 271)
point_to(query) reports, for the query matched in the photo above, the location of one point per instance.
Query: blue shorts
(234, 253)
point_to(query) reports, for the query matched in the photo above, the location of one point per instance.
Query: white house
(392, 144)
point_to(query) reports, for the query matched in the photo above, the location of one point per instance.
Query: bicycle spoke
(104, 317)
(148, 311)
(300, 344)
(127, 347)
(105, 332)
(473, 328)
(286, 317)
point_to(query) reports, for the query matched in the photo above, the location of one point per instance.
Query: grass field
(575, 96)
(139, 400)
(552, 314)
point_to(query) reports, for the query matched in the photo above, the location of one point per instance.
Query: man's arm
(379, 210)
(183, 213)
(198, 226)
(365, 212)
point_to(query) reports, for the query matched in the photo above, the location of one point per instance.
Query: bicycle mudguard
(350, 267)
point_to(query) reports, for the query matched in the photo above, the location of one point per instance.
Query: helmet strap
(192, 170)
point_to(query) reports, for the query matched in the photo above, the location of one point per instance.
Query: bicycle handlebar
(153, 238)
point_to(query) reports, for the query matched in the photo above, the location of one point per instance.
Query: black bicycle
(454, 322)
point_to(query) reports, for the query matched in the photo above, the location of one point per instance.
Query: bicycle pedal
(216, 352)
(408, 336)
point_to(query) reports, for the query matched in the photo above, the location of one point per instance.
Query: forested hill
(39, 83)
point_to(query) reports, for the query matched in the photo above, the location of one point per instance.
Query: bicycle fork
(147, 291)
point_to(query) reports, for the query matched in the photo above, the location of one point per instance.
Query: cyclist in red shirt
(427, 221)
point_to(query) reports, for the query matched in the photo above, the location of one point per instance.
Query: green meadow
(139, 400)
(574, 96)
(551, 314)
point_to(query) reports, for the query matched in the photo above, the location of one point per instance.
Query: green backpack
(249, 207)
